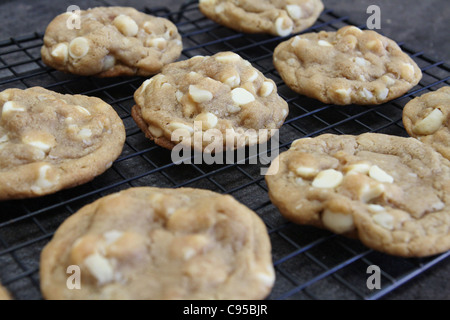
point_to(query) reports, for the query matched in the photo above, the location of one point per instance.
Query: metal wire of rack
(310, 263)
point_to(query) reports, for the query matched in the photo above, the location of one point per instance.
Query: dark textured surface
(421, 25)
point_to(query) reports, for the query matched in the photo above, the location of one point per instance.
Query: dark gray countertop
(421, 25)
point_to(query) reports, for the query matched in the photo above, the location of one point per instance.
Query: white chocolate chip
(228, 57)
(337, 222)
(281, 31)
(112, 236)
(166, 85)
(41, 145)
(296, 41)
(266, 278)
(294, 11)
(78, 47)
(253, 77)
(199, 95)
(219, 8)
(155, 131)
(109, 62)
(100, 268)
(61, 52)
(11, 106)
(430, 124)
(324, 43)
(159, 43)
(266, 89)
(375, 208)
(126, 25)
(370, 192)
(374, 44)
(361, 62)
(388, 80)
(179, 95)
(384, 220)
(362, 78)
(383, 94)
(329, 178)
(42, 182)
(380, 175)
(146, 83)
(306, 172)
(407, 71)
(233, 108)
(233, 81)
(366, 94)
(85, 133)
(344, 93)
(83, 110)
(209, 120)
(4, 139)
(353, 30)
(357, 168)
(241, 96)
(178, 125)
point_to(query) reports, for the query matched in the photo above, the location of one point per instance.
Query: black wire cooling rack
(310, 263)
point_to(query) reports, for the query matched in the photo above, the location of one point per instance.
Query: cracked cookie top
(111, 41)
(350, 66)
(392, 193)
(161, 244)
(50, 141)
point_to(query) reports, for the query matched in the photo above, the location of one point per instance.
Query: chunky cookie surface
(350, 66)
(275, 17)
(234, 104)
(160, 244)
(111, 41)
(392, 193)
(50, 141)
(427, 118)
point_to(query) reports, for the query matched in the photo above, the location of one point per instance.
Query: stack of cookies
(390, 192)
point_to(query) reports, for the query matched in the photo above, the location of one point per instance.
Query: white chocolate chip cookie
(392, 193)
(50, 141)
(111, 41)
(350, 66)
(427, 118)
(160, 244)
(275, 17)
(223, 93)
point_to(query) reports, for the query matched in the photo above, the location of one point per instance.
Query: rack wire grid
(309, 263)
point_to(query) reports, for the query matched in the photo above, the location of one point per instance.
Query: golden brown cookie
(225, 94)
(392, 193)
(160, 244)
(427, 118)
(275, 17)
(4, 294)
(50, 141)
(111, 41)
(350, 66)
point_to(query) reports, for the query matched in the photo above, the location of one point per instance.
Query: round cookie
(350, 66)
(427, 118)
(4, 294)
(275, 17)
(50, 141)
(392, 193)
(220, 98)
(109, 42)
(160, 244)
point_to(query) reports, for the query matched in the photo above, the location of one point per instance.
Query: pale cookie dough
(275, 17)
(392, 193)
(160, 244)
(427, 118)
(349, 66)
(50, 141)
(4, 294)
(235, 104)
(111, 41)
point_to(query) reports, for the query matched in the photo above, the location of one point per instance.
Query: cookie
(392, 193)
(427, 118)
(160, 244)
(110, 41)
(4, 294)
(350, 66)
(230, 99)
(50, 141)
(275, 17)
